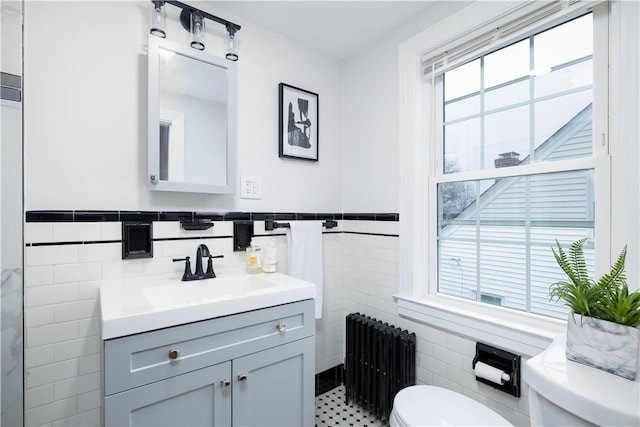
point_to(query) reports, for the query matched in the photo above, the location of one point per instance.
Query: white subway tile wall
(62, 350)
(62, 345)
(370, 278)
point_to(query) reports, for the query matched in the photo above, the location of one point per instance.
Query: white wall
(370, 126)
(85, 113)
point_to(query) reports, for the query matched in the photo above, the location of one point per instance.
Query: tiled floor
(331, 410)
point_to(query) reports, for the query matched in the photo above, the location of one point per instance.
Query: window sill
(521, 333)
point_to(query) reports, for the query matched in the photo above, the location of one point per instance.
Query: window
(515, 165)
(610, 169)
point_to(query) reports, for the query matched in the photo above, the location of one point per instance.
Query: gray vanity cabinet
(273, 389)
(249, 369)
(192, 399)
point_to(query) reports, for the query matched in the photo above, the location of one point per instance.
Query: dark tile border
(213, 216)
(49, 216)
(386, 217)
(169, 239)
(176, 216)
(306, 216)
(261, 216)
(368, 234)
(283, 216)
(83, 242)
(325, 216)
(371, 216)
(112, 216)
(237, 216)
(96, 216)
(366, 217)
(139, 216)
(329, 379)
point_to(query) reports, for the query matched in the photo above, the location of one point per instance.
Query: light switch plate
(250, 187)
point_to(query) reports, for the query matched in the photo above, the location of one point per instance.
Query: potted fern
(602, 329)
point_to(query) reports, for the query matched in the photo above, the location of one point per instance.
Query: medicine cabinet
(191, 120)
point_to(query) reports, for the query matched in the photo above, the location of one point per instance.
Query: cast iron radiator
(380, 361)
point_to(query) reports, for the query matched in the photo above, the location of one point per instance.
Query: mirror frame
(153, 119)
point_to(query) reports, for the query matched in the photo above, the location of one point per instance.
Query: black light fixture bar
(231, 27)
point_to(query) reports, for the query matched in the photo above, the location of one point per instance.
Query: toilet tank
(545, 413)
(566, 393)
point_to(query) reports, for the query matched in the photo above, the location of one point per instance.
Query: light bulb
(197, 30)
(232, 43)
(158, 19)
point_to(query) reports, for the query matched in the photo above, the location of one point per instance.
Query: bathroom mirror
(191, 119)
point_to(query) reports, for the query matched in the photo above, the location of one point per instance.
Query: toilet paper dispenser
(498, 368)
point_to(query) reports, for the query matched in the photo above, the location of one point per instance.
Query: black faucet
(187, 275)
(202, 251)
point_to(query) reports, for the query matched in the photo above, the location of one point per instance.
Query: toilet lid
(425, 405)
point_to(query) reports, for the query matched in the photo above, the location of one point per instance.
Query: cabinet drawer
(140, 359)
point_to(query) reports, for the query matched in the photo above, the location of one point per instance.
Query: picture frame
(298, 123)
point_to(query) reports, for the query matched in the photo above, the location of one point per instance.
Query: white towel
(305, 255)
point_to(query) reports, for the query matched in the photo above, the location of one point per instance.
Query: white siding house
(506, 233)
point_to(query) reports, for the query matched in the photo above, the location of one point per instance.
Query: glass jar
(270, 258)
(254, 258)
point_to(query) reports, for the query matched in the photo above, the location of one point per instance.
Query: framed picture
(298, 123)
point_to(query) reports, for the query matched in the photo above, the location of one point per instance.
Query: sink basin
(198, 292)
(134, 307)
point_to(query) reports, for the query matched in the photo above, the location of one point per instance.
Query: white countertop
(134, 307)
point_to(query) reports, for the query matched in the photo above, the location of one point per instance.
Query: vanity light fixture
(193, 20)
(197, 29)
(158, 19)
(232, 54)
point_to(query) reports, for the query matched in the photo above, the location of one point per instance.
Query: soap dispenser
(254, 258)
(270, 259)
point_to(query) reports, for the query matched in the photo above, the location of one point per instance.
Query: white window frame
(418, 298)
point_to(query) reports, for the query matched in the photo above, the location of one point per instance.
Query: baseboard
(329, 379)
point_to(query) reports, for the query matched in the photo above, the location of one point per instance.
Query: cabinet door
(196, 398)
(275, 387)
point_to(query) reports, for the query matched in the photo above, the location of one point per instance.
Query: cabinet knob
(174, 354)
(242, 378)
(281, 327)
(224, 384)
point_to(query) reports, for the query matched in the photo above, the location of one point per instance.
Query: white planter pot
(604, 345)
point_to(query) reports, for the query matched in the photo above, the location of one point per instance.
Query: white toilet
(424, 405)
(565, 393)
